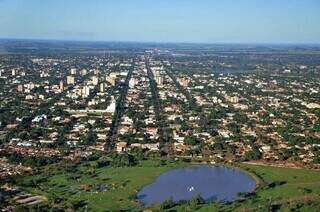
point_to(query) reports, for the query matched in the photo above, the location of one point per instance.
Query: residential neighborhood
(154, 104)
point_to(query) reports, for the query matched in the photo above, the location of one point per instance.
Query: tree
(169, 203)
(195, 202)
(254, 154)
(103, 161)
(137, 153)
(191, 140)
(123, 159)
(90, 138)
(317, 160)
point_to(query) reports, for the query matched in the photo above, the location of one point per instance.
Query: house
(121, 147)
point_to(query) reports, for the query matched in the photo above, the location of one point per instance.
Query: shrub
(169, 203)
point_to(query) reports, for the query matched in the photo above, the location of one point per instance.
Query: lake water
(210, 182)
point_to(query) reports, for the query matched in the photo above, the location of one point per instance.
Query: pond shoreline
(258, 180)
(151, 194)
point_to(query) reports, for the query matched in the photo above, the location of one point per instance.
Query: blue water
(210, 182)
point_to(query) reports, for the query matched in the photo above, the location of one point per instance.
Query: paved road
(112, 135)
(157, 107)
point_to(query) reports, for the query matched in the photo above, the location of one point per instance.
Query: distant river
(210, 182)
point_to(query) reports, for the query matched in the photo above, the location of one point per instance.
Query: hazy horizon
(174, 21)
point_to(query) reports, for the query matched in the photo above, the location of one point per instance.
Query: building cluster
(71, 106)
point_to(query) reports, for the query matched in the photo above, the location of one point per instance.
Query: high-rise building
(158, 78)
(70, 80)
(95, 80)
(73, 71)
(96, 72)
(83, 72)
(112, 107)
(132, 83)
(85, 91)
(20, 88)
(102, 86)
(111, 80)
(13, 72)
(61, 86)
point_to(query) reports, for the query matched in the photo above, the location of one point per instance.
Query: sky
(194, 21)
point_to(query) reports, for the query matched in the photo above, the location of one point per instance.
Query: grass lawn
(297, 181)
(122, 184)
(297, 189)
(72, 185)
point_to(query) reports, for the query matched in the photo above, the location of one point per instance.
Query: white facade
(73, 71)
(95, 80)
(102, 87)
(85, 91)
(70, 80)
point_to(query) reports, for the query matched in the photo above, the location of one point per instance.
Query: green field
(65, 186)
(283, 189)
(68, 186)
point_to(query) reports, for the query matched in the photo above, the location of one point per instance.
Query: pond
(210, 182)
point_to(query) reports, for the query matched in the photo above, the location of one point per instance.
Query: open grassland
(280, 189)
(74, 186)
(78, 185)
